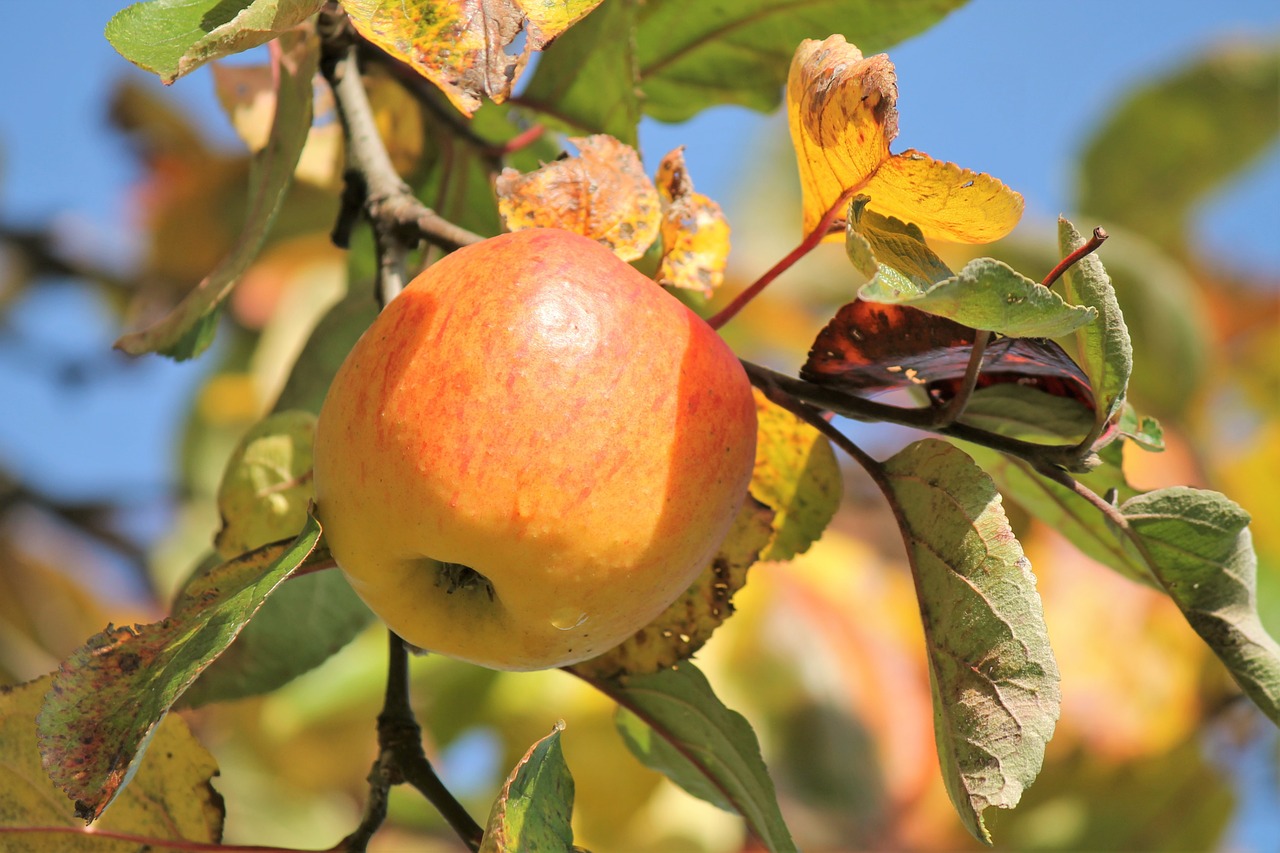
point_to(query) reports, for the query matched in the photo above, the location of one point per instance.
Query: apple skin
(534, 409)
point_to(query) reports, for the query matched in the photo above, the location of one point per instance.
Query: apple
(531, 452)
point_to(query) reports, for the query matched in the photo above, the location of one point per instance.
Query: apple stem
(1099, 237)
(807, 245)
(402, 759)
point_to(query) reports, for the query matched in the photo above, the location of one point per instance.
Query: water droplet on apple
(567, 618)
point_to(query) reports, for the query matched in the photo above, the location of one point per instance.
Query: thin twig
(955, 407)
(402, 759)
(1099, 237)
(1065, 456)
(807, 245)
(400, 733)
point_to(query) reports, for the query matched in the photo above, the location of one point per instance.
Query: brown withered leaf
(871, 347)
(462, 45)
(842, 111)
(603, 193)
(695, 233)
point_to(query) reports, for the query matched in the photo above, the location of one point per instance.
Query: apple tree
(387, 136)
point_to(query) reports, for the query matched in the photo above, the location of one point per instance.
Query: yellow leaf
(695, 233)
(170, 797)
(461, 45)
(796, 474)
(842, 110)
(603, 193)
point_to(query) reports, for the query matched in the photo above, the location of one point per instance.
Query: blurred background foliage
(825, 655)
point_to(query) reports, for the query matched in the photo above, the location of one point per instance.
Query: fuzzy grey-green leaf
(987, 294)
(992, 672)
(1103, 347)
(1202, 552)
(874, 241)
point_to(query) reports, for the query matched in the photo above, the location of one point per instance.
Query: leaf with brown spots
(695, 233)
(106, 700)
(842, 110)
(462, 45)
(603, 193)
(170, 796)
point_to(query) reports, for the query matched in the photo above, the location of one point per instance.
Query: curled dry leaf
(842, 110)
(462, 45)
(684, 627)
(695, 233)
(603, 193)
(871, 348)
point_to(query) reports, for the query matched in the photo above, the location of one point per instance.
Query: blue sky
(1012, 87)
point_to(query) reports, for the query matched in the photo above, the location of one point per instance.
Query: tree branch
(400, 221)
(1066, 456)
(807, 245)
(1091, 245)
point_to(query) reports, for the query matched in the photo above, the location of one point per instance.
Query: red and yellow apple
(531, 452)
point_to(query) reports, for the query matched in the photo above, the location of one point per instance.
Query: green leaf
(993, 676)
(608, 99)
(1202, 552)
(1103, 346)
(309, 619)
(532, 813)
(189, 328)
(1171, 143)
(797, 476)
(456, 177)
(108, 697)
(985, 294)
(675, 724)
(302, 624)
(1165, 311)
(1028, 414)
(174, 37)
(685, 57)
(171, 796)
(873, 240)
(1143, 431)
(1066, 512)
